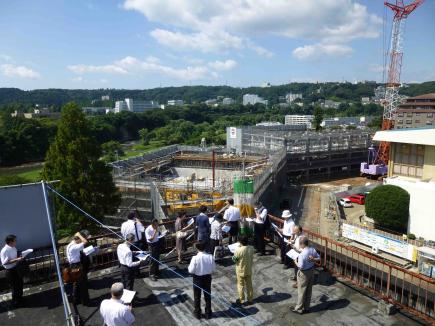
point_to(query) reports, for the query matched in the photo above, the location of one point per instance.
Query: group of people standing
(209, 235)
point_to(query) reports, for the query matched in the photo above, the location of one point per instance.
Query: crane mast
(392, 98)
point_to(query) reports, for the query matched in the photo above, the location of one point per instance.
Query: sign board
(23, 213)
(380, 242)
(233, 132)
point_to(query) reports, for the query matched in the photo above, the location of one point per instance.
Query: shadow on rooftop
(329, 304)
(271, 297)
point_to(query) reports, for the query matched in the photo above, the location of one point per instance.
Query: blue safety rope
(219, 298)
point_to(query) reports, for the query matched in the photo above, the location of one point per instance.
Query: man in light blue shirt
(305, 262)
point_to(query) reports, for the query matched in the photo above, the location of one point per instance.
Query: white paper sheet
(142, 256)
(163, 234)
(26, 252)
(287, 241)
(226, 228)
(89, 250)
(293, 254)
(233, 247)
(127, 296)
(274, 225)
(190, 222)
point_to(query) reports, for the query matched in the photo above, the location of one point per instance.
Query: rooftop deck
(169, 301)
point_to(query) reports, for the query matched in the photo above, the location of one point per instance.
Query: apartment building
(416, 112)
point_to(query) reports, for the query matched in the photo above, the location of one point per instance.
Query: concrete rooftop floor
(169, 301)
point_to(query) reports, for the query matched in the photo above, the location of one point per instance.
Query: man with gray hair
(128, 266)
(306, 262)
(114, 311)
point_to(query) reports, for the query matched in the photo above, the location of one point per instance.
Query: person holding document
(10, 261)
(180, 231)
(294, 243)
(152, 234)
(201, 267)
(287, 233)
(306, 262)
(114, 311)
(259, 228)
(73, 255)
(128, 266)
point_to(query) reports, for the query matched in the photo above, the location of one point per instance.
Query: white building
(290, 97)
(268, 124)
(105, 98)
(228, 101)
(176, 102)
(253, 99)
(135, 106)
(412, 167)
(296, 120)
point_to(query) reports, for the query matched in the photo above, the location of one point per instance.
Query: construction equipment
(392, 98)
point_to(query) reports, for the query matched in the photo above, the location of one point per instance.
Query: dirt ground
(316, 201)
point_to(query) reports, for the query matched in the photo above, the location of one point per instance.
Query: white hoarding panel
(389, 245)
(233, 132)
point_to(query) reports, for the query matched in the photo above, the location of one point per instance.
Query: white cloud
(109, 69)
(316, 51)
(10, 70)
(223, 65)
(153, 65)
(215, 25)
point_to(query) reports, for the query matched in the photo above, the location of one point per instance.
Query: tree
(388, 205)
(318, 118)
(144, 135)
(112, 150)
(74, 159)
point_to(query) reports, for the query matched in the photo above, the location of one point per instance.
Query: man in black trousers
(10, 262)
(152, 235)
(201, 267)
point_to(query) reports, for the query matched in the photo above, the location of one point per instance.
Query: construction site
(182, 178)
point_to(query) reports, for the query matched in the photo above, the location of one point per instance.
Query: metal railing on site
(408, 290)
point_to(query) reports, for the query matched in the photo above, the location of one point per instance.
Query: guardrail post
(325, 257)
(388, 281)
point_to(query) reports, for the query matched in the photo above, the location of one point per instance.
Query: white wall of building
(297, 120)
(421, 206)
(253, 99)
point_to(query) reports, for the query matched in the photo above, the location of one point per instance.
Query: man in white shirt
(201, 267)
(134, 226)
(114, 311)
(10, 260)
(80, 288)
(152, 234)
(232, 215)
(287, 233)
(259, 228)
(128, 266)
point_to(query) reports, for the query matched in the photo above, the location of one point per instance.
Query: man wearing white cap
(287, 233)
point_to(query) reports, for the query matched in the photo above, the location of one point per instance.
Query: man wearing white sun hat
(287, 233)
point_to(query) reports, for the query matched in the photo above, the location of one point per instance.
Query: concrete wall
(207, 173)
(421, 206)
(429, 163)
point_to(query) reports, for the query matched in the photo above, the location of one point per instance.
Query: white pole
(69, 321)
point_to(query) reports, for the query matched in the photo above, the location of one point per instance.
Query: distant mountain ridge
(195, 94)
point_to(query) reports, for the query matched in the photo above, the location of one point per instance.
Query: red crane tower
(392, 98)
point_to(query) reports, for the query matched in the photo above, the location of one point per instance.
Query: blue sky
(152, 43)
